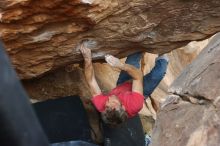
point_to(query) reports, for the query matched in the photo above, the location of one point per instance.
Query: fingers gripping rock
(89, 43)
(86, 52)
(113, 61)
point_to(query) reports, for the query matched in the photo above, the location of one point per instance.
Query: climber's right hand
(113, 61)
(86, 52)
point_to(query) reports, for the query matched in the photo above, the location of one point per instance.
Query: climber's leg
(152, 79)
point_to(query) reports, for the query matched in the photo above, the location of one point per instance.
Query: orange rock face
(43, 35)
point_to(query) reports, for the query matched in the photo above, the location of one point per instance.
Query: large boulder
(201, 79)
(43, 35)
(195, 120)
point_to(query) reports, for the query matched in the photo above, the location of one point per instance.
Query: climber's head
(114, 113)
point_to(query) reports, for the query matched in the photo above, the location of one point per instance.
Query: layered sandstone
(43, 35)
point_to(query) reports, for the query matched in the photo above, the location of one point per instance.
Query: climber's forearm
(135, 73)
(91, 80)
(88, 70)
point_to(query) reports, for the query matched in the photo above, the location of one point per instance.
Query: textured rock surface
(187, 124)
(70, 81)
(42, 35)
(201, 79)
(197, 124)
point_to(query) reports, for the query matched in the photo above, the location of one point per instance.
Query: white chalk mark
(45, 36)
(90, 44)
(98, 55)
(88, 1)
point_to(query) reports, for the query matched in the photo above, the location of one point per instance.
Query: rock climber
(127, 98)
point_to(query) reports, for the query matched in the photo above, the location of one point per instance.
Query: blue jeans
(150, 80)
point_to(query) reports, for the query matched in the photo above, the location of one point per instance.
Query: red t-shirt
(132, 101)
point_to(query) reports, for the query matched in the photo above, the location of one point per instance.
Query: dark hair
(114, 117)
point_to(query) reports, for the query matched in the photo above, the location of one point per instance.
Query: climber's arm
(136, 74)
(89, 71)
